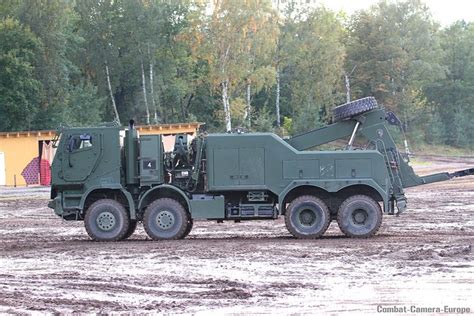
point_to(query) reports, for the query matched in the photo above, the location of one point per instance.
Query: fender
(333, 186)
(114, 187)
(160, 187)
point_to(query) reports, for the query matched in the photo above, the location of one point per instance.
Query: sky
(444, 11)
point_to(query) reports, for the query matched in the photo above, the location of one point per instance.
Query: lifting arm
(336, 130)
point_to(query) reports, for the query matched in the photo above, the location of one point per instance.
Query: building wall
(20, 148)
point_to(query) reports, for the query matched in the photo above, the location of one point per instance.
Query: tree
(394, 47)
(453, 96)
(85, 106)
(99, 23)
(283, 50)
(19, 90)
(234, 34)
(52, 21)
(259, 39)
(313, 72)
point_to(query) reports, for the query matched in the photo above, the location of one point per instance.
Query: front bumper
(56, 205)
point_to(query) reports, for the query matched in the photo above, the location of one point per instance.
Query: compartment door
(252, 166)
(226, 167)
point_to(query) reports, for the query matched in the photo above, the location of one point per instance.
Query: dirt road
(422, 259)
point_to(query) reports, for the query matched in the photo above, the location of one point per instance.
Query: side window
(77, 142)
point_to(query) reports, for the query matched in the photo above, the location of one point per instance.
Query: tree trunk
(348, 87)
(248, 110)
(277, 98)
(186, 104)
(163, 112)
(152, 90)
(109, 85)
(144, 95)
(182, 105)
(225, 102)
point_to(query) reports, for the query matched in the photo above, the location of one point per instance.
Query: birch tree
(98, 25)
(231, 49)
(260, 38)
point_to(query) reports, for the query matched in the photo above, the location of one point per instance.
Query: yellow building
(20, 149)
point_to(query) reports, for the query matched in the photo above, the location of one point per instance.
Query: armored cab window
(77, 142)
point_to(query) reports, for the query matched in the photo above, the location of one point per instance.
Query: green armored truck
(112, 178)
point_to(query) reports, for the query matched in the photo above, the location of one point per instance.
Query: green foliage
(19, 90)
(318, 64)
(453, 96)
(262, 121)
(85, 107)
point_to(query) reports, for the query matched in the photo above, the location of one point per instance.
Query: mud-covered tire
(307, 217)
(131, 229)
(106, 220)
(353, 108)
(359, 216)
(165, 219)
(189, 227)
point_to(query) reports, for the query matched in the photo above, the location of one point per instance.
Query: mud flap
(401, 206)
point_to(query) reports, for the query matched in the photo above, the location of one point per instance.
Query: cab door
(81, 151)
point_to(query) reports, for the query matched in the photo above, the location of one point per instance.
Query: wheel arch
(363, 189)
(338, 195)
(374, 192)
(304, 189)
(164, 191)
(117, 193)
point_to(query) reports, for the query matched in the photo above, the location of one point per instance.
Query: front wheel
(165, 219)
(131, 229)
(359, 216)
(307, 217)
(106, 220)
(189, 227)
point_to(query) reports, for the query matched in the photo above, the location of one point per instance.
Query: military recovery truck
(111, 178)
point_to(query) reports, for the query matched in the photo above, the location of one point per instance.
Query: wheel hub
(307, 217)
(165, 220)
(360, 216)
(106, 221)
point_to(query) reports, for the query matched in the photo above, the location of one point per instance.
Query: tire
(307, 217)
(348, 110)
(165, 219)
(189, 227)
(131, 229)
(106, 220)
(359, 216)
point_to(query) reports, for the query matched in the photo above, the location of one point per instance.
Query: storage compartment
(207, 207)
(151, 160)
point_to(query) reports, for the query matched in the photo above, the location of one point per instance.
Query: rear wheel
(165, 219)
(106, 220)
(359, 216)
(307, 217)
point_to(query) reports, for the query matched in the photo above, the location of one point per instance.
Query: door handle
(244, 176)
(234, 177)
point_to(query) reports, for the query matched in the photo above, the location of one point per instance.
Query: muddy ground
(422, 258)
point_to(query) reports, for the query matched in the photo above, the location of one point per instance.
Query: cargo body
(112, 178)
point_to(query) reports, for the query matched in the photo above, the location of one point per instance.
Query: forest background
(233, 64)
